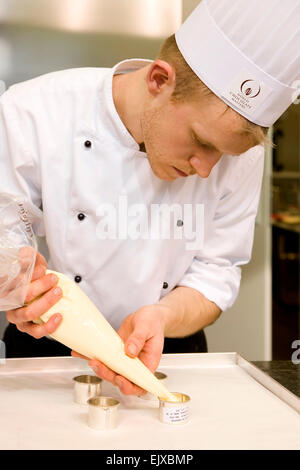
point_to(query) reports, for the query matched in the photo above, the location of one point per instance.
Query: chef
(145, 178)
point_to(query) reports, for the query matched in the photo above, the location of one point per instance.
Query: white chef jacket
(45, 124)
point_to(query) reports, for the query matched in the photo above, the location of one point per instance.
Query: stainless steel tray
(234, 405)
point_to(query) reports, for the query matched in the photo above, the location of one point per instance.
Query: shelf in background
(290, 227)
(286, 174)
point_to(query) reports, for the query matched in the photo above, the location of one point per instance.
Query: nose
(203, 164)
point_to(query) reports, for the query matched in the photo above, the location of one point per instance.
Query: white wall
(188, 6)
(246, 328)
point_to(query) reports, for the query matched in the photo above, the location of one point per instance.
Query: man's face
(174, 134)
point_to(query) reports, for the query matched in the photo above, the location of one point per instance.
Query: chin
(163, 176)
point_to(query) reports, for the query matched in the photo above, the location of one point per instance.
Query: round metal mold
(175, 413)
(103, 413)
(86, 387)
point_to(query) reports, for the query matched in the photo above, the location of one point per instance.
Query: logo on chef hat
(250, 88)
(247, 94)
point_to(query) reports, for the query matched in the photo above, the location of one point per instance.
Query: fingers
(25, 257)
(125, 386)
(40, 286)
(18, 284)
(40, 267)
(39, 271)
(35, 309)
(27, 252)
(149, 349)
(76, 354)
(142, 334)
(38, 331)
(152, 352)
(135, 342)
(42, 294)
(103, 371)
(40, 260)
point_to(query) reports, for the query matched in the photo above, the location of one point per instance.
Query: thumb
(136, 341)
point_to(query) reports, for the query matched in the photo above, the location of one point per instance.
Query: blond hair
(188, 85)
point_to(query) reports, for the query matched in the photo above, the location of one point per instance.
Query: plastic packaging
(18, 250)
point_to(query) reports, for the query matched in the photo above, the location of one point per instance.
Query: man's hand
(42, 288)
(143, 336)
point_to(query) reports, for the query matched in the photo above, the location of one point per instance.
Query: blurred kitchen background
(40, 36)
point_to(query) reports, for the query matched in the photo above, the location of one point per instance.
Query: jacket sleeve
(19, 167)
(228, 239)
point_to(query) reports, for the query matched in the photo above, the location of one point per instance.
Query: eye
(200, 144)
(207, 147)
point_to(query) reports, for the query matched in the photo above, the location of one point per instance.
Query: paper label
(173, 415)
(247, 92)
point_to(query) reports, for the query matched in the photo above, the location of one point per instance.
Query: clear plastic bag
(18, 249)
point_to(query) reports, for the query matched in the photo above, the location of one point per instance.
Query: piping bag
(83, 327)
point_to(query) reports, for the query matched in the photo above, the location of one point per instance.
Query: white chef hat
(247, 52)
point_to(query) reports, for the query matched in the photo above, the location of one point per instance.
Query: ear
(160, 78)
